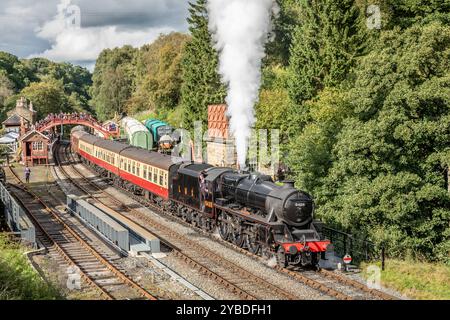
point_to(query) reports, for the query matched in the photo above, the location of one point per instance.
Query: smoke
(240, 30)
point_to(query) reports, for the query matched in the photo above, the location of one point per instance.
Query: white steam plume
(240, 30)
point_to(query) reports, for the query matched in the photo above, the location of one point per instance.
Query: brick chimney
(218, 123)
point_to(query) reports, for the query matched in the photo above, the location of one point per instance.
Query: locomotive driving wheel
(236, 235)
(251, 240)
(223, 226)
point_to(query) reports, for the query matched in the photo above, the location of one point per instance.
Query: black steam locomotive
(251, 211)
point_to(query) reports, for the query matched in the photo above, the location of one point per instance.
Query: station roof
(10, 137)
(13, 120)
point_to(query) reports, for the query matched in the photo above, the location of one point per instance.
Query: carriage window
(161, 178)
(155, 175)
(145, 172)
(138, 170)
(133, 167)
(129, 166)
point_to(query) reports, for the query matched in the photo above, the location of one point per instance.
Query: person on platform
(27, 174)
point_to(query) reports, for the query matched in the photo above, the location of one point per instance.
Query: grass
(18, 279)
(417, 280)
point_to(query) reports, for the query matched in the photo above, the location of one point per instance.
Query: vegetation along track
(238, 280)
(330, 283)
(56, 234)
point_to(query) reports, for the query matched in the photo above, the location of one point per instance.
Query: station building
(35, 148)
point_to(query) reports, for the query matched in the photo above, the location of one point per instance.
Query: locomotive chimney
(288, 184)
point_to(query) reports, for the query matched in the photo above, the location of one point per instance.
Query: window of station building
(38, 145)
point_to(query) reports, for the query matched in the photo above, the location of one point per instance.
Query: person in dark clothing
(281, 174)
(203, 190)
(27, 174)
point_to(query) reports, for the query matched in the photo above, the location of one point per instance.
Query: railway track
(328, 282)
(58, 236)
(238, 280)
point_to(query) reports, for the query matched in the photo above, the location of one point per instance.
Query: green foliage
(113, 81)
(17, 75)
(408, 12)
(201, 82)
(325, 45)
(284, 26)
(310, 157)
(48, 96)
(158, 74)
(14, 69)
(6, 90)
(389, 172)
(18, 280)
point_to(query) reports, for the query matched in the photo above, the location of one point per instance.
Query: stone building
(21, 118)
(19, 121)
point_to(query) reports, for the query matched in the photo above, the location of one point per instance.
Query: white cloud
(70, 42)
(85, 44)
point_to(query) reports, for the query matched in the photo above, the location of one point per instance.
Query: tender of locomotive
(249, 210)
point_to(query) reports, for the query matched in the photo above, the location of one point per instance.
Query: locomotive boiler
(276, 203)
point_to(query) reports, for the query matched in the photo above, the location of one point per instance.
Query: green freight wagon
(158, 129)
(138, 135)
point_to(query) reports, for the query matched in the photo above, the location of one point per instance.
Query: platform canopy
(9, 138)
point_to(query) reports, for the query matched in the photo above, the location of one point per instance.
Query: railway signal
(347, 259)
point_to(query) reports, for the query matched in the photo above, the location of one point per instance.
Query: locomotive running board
(251, 217)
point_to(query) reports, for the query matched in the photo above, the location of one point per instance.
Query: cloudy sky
(77, 30)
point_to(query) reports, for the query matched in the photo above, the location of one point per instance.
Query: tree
(158, 74)
(113, 81)
(201, 82)
(47, 96)
(310, 156)
(6, 88)
(14, 69)
(390, 161)
(284, 26)
(324, 47)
